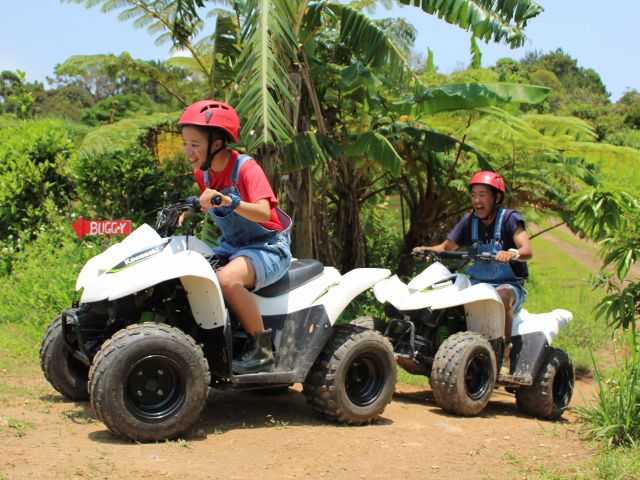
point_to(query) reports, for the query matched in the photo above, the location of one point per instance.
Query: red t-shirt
(252, 183)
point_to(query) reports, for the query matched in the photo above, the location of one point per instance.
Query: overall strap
(235, 174)
(474, 228)
(497, 232)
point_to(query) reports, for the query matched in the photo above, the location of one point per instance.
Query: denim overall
(495, 273)
(268, 250)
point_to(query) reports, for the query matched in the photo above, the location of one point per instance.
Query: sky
(35, 36)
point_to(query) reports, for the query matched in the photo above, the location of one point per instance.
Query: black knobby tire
(464, 373)
(149, 382)
(551, 392)
(353, 378)
(65, 373)
(372, 323)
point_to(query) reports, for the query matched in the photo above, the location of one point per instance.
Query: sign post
(84, 227)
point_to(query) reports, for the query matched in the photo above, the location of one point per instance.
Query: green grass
(608, 463)
(20, 427)
(19, 345)
(559, 281)
(573, 240)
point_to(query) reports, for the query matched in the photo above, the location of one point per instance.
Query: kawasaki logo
(436, 286)
(138, 257)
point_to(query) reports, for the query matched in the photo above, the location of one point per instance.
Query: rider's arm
(523, 245)
(256, 212)
(447, 245)
(522, 252)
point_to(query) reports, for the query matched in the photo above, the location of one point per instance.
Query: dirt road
(249, 435)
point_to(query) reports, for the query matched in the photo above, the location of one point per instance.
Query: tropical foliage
(613, 218)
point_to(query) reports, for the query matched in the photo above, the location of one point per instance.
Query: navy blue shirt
(461, 235)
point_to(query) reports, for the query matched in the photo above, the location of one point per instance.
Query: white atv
(152, 334)
(443, 327)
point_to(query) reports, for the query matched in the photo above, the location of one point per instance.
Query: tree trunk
(301, 208)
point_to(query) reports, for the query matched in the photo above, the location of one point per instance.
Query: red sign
(84, 227)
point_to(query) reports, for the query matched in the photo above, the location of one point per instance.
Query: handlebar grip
(194, 203)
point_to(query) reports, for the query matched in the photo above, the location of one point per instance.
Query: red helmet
(209, 113)
(492, 179)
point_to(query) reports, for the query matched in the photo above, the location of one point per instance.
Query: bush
(34, 180)
(625, 137)
(41, 283)
(117, 175)
(118, 107)
(118, 184)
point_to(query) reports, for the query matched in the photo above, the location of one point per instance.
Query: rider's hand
(505, 257)
(206, 199)
(182, 217)
(421, 251)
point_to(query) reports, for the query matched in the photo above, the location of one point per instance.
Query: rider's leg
(508, 297)
(235, 278)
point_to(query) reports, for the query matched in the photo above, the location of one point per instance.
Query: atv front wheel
(372, 323)
(464, 373)
(353, 378)
(551, 392)
(63, 371)
(149, 382)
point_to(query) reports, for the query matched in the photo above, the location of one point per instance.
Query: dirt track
(252, 436)
(248, 435)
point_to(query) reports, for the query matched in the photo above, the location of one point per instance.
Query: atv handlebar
(471, 255)
(167, 220)
(463, 257)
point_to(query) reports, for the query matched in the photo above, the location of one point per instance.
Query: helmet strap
(207, 164)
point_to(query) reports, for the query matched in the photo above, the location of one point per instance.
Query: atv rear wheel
(464, 373)
(149, 382)
(551, 392)
(67, 374)
(353, 378)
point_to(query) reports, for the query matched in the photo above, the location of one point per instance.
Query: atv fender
(548, 323)
(141, 238)
(337, 296)
(483, 306)
(195, 273)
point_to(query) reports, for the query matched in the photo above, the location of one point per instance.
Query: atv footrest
(515, 380)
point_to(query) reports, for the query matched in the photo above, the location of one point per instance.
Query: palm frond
(269, 50)
(369, 41)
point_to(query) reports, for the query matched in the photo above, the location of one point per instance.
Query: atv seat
(299, 273)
